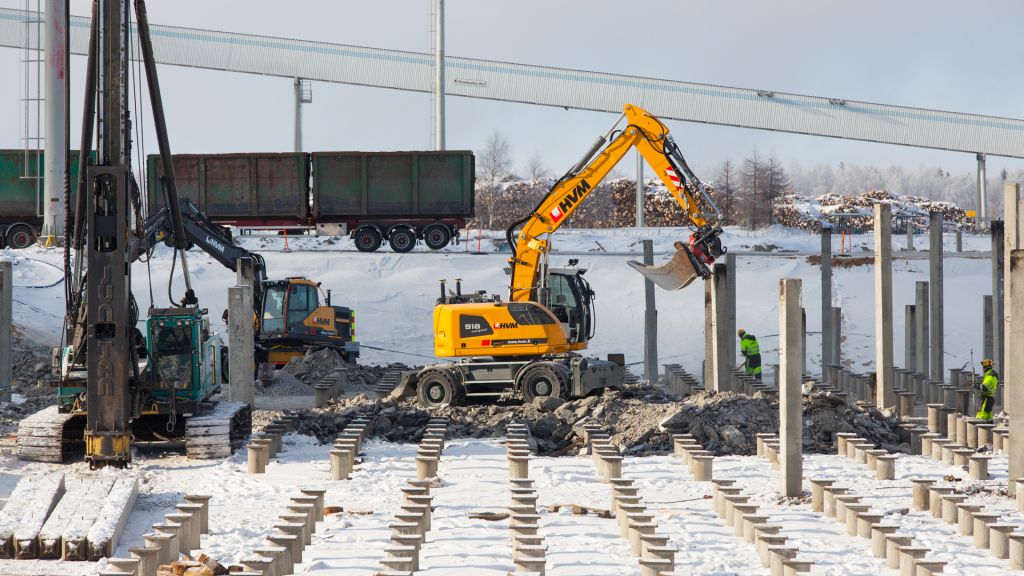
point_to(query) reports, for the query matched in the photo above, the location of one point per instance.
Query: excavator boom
(651, 137)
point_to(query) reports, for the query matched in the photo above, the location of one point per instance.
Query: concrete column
(826, 303)
(959, 241)
(241, 344)
(245, 272)
(1011, 241)
(55, 157)
(910, 235)
(791, 355)
(998, 299)
(6, 328)
(937, 368)
(730, 285)
(709, 343)
(921, 327)
(1015, 363)
(837, 335)
(884, 392)
(909, 337)
(721, 340)
(987, 336)
(650, 321)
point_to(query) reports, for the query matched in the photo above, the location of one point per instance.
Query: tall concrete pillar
(826, 303)
(245, 272)
(730, 285)
(910, 340)
(998, 298)
(910, 235)
(721, 339)
(650, 321)
(1011, 242)
(982, 193)
(6, 328)
(709, 341)
(921, 327)
(791, 355)
(1015, 363)
(837, 335)
(986, 327)
(937, 369)
(884, 391)
(241, 344)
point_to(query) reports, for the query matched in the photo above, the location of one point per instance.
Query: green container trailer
(21, 195)
(398, 197)
(242, 189)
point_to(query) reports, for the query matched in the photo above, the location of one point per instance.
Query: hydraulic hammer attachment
(690, 261)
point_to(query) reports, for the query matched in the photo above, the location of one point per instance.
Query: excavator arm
(651, 137)
(199, 230)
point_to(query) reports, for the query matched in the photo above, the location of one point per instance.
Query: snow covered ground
(474, 477)
(393, 294)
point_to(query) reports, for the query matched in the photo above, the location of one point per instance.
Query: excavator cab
(569, 297)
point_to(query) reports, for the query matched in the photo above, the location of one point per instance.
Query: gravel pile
(640, 418)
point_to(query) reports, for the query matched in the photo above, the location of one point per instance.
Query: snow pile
(797, 211)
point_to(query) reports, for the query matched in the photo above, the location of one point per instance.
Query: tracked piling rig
(530, 346)
(115, 383)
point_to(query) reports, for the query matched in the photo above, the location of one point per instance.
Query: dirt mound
(641, 419)
(727, 423)
(315, 365)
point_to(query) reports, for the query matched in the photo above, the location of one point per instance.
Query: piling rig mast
(102, 313)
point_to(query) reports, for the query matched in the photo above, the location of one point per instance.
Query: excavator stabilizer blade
(676, 274)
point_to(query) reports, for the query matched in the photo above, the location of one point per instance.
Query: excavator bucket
(675, 274)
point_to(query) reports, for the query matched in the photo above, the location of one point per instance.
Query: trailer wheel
(367, 239)
(437, 236)
(437, 388)
(20, 236)
(544, 380)
(402, 240)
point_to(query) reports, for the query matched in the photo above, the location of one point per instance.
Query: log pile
(855, 212)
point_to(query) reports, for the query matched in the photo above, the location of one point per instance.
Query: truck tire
(367, 239)
(437, 388)
(437, 236)
(402, 239)
(20, 236)
(544, 379)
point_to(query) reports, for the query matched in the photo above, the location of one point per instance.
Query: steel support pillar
(6, 329)
(55, 158)
(826, 303)
(884, 391)
(936, 331)
(439, 71)
(650, 321)
(639, 189)
(791, 354)
(709, 341)
(982, 216)
(241, 345)
(721, 340)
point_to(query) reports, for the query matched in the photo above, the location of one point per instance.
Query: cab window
(302, 302)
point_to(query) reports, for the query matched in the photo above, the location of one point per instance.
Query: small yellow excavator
(529, 346)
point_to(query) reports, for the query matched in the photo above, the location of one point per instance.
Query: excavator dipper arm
(651, 137)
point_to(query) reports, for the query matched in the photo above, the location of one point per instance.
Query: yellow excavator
(529, 346)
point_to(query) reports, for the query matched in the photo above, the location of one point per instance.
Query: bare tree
(535, 168)
(493, 164)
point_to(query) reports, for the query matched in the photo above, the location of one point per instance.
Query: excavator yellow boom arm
(651, 137)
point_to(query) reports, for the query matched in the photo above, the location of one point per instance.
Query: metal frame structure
(567, 88)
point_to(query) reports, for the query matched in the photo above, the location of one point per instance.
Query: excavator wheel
(545, 379)
(437, 388)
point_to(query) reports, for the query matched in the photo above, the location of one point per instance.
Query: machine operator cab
(569, 297)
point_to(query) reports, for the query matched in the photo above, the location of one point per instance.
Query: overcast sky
(943, 54)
